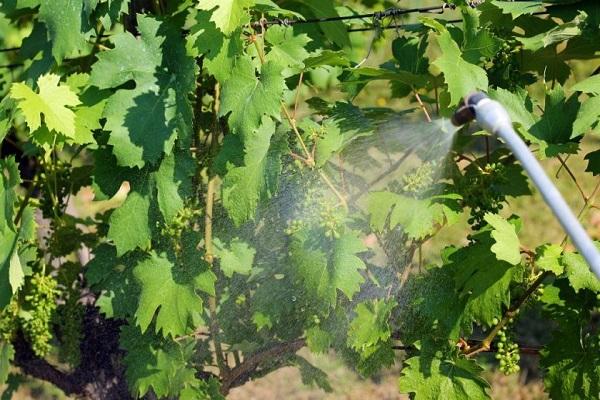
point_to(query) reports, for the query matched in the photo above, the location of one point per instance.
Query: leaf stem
(310, 161)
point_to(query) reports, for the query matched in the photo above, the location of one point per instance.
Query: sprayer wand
(494, 118)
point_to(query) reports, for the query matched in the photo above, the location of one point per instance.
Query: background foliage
(231, 225)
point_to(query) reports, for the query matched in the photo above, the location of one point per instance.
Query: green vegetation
(193, 191)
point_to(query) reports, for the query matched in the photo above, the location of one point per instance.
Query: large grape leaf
(579, 274)
(555, 35)
(481, 279)
(159, 364)
(144, 121)
(588, 116)
(245, 186)
(170, 292)
(326, 268)
(572, 359)
(174, 183)
(417, 217)
(249, 97)
(237, 257)
(53, 101)
(590, 85)
(507, 246)
(478, 43)
(130, 223)
(369, 334)
(519, 8)
(287, 49)
(228, 15)
(461, 76)
(458, 378)
(67, 27)
(112, 277)
(556, 124)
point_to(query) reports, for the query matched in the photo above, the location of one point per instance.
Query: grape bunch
(504, 69)
(508, 353)
(419, 179)
(41, 302)
(8, 320)
(184, 219)
(331, 220)
(483, 193)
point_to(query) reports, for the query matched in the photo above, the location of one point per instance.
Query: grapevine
(193, 191)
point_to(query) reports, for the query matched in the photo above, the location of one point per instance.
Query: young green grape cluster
(504, 69)
(508, 353)
(419, 179)
(482, 192)
(182, 221)
(9, 320)
(331, 220)
(41, 301)
(538, 293)
(294, 226)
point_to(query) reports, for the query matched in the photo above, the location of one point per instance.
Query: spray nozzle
(466, 109)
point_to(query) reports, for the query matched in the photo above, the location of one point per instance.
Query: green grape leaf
(67, 29)
(555, 35)
(327, 57)
(516, 9)
(311, 375)
(248, 98)
(507, 246)
(457, 378)
(10, 178)
(593, 159)
(130, 223)
(318, 340)
(518, 104)
(556, 124)
(287, 49)
(461, 76)
(371, 324)
(52, 101)
(228, 15)
(237, 257)
(244, 187)
(418, 217)
(223, 63)
(10, 269)
(572, 362)
(144, 121)
(113, 278)
(174, 183)
(579, 274)
(335, 31)
(170, 292)
(205, 38)
(590, 85)
(158, 364)
(327, 268)
(7, 354)
(482, 279)
(478, 43)
(548, 258)
(588, 117)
